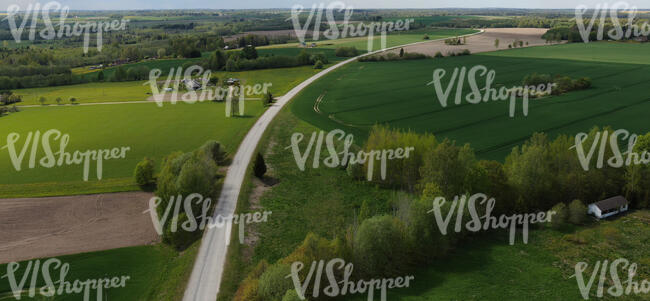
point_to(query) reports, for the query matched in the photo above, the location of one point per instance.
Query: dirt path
(53, 226)
(484, 42)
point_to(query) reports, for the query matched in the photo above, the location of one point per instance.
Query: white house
(608, 207)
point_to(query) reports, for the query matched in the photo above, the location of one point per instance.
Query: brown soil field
(483, 42)
(46, 227)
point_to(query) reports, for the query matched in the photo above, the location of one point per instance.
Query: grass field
(147, 129)
(87, 93)
(282, 80)
(360, 95)
(156, 273)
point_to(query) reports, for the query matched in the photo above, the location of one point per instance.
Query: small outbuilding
(608, 207)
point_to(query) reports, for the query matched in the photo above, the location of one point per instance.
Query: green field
(359, 95)
(87, 93)
(147, 129)
(156, 273)
(393, 39)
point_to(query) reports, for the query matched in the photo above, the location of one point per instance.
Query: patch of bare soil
(53, 226)
(483, 42)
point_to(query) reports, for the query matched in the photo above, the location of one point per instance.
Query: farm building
(608, 207)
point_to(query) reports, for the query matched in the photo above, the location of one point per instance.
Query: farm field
(393, 39)
(156, 273)
(360, 95)
(87, 93)
(152, 131)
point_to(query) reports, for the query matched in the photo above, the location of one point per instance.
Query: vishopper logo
(45, 270)
(487, 93)
(617, 159)
(194, 79)
(348, 30)
(619, 288)
(64, 30)
(344, 286)
(334, 160)
(190, 204)
(490, 222)
(49, 160)
(618, 32)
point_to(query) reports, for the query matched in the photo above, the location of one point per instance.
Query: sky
(243, 4)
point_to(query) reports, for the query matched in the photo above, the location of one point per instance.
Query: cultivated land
(393, 39)
(396, 93)
(484, 42)
(47, 227)
(156, 273)
(147, 129)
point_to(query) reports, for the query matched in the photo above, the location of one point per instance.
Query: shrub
(559, 219)
(267, 99)
(438, 54)
(346, 51)
(466, 52)
(248, 290)
(72, 100)
(215, 151)
(401, 52)
(231, 65)
(273, 285)
(318, 57)
(144, 172)
(181, 239)
(379, 247)
(577, 212)
(42, 100)
(291, 295)
(304, 58)
(426, 37)
(318, 65)
(58, 100)
(259, 168)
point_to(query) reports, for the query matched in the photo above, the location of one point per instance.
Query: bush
(379, 247)
(318, 57)
(273, 285)
(42, 100)
(215, 151)
(318, 65)
(561, 216)
(259, 168)
(231, 65)
(181, 239)
(426, 37)
(291, 295)
(346, 51)
(267, 99)
(438, 54)
(248, 290)
(59, 100)
(466, 52)
(577, 212)
(144, 172)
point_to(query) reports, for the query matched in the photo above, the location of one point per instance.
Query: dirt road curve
(46, 227)
(483, 42)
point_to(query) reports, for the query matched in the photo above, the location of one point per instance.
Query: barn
(608, 207)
